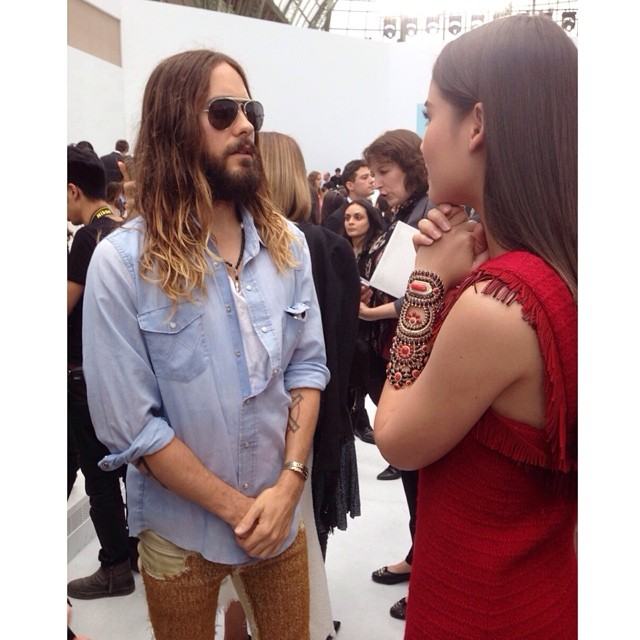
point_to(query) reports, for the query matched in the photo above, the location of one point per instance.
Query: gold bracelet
(298, 467)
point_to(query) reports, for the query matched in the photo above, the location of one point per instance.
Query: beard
(240, 185)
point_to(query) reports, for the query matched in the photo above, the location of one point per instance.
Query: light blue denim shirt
(154, 372)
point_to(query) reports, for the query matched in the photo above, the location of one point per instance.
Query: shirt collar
(252, 238)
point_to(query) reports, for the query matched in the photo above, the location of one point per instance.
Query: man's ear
(347, 187)
(73, 191)
(476, 140)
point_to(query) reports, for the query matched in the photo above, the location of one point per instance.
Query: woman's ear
(476, 140)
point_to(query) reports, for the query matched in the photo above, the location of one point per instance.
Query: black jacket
(337, 282)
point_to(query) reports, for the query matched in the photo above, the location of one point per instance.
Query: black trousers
(84, 451)
(410, 485)
(376, 376)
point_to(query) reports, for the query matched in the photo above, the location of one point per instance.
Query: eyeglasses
(223, 112)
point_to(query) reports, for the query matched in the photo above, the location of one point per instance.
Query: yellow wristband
(298, 467)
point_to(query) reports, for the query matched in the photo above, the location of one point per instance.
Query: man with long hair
(205, 360)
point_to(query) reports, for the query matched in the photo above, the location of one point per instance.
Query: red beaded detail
(409, 352)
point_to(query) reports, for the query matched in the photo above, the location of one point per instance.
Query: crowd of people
(223, 335)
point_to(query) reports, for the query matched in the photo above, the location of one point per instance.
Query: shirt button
(265, 329)
(237, 354)
(245, 485)
(248, 287)
(172, 325)
(276, 370)
(245, 445)
(228, 308)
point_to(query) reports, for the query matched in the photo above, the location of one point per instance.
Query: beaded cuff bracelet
(422, 304)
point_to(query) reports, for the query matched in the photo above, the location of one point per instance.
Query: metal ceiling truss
(305, 13)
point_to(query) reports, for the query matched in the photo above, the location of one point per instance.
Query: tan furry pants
(182, 591)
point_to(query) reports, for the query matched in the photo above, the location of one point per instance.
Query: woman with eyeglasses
(481, 391)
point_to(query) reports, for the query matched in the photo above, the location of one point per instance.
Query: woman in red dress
(481, 394)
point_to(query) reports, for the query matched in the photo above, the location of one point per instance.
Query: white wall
(112, 7)
(334, 94)
(95, 100)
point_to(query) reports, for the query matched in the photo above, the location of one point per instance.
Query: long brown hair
(523, 69)
(286, 174)
(173, 194)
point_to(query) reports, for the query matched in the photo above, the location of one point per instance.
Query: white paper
(397, 262)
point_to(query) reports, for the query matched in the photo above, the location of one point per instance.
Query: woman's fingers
(429, 230)
(439, 220)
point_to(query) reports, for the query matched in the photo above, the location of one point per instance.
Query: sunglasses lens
(255, 114)
(222, 113)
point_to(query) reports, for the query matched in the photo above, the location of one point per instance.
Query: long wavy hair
(286, 175)
(524, 71)
(173, 194)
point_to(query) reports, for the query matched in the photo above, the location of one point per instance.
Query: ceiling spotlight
(409, 27)
(568, 20)
(477, 20)
(433, 24)
(455, 25)
(389, 28)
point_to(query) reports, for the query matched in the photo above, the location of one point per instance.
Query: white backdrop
(334, 94)
(94, 101)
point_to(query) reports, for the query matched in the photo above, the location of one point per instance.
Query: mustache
(242, 146)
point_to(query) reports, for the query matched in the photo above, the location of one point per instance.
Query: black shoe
(384, 576)
(366, 435)
(336, 627)
(390, 473)
(104, 583)
(399, 609)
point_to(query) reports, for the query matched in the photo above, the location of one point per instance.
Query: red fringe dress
(494, 550)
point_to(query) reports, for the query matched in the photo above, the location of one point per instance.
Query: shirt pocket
(294, 320)
(175, 341)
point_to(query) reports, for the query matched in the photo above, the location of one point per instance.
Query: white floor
(379, 536)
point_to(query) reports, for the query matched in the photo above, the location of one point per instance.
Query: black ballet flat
(399, 609)
(384, 576)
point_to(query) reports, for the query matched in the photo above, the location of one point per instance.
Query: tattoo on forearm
(294, 413)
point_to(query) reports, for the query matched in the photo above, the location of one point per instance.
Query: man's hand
(267, 523)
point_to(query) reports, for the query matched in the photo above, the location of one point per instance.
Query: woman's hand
(365, 294)
(449, 244)
(381, 312)
(439, 220)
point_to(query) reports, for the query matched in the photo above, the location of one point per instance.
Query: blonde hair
(174, 196)
(286, 175)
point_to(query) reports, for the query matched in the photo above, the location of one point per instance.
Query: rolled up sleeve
(308, 365)
(124, 399)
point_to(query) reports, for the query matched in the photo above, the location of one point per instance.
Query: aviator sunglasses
(223, 111)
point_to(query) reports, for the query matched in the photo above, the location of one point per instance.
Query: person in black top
(110, 161)
(358, 181)
(336, 179)
(362, 226)
(86, 205)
